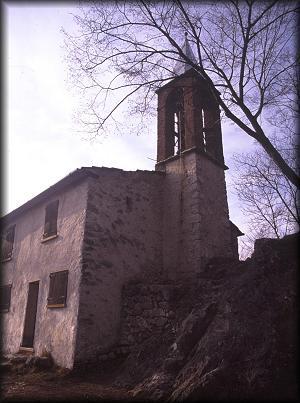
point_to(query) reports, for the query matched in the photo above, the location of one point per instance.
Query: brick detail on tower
(199, 118)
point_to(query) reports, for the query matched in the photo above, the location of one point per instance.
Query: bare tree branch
(245, 50)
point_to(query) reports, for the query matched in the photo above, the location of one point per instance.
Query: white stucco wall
(32, 260)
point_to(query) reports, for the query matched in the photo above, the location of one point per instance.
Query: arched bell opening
(175, 122)
(209, 129)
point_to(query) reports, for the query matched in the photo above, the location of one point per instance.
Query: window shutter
(58, 289)
(51, 298)
(6, 249)
(5, 296)
(7, 243)
(50, 227)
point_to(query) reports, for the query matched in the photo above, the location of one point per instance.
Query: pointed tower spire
(181, 66)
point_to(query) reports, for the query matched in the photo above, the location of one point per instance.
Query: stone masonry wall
(123, 238)
(146, 311)
(196, 218)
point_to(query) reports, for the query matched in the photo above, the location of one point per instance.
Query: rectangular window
(7, 243)
(50, 227)
(5, 293)
(58, 289)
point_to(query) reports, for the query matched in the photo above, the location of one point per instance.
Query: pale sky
(41, 142)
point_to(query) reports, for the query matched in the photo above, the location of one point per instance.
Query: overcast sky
(41, 142)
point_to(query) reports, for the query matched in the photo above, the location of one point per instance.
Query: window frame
(9, 233)
(3, 308)
(51, 219)
(58, 301)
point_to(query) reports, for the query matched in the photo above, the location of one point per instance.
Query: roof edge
(236, 228)
(74, 176)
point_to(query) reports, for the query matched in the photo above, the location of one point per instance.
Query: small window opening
(129, 204)
(203, 130)
(58, 289)
(50, 227)
(176, 134)
(204, 140)
(5, 297)
(7, 243)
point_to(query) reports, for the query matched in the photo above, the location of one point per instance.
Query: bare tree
(268, 200)
(244, 51)
(285, 115)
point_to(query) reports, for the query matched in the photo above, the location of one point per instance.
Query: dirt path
(52, 387)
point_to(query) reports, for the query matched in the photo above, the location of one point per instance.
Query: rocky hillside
(234, 337)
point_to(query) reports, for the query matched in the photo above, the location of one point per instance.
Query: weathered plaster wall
(33, 261)
(123, 238)
(196, 220)
(215, 224)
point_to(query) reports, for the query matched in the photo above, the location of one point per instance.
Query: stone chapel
(68, 253)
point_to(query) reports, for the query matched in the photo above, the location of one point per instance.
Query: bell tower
(188, 117)
(196, 223)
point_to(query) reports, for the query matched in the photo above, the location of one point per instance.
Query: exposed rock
(40, 363)
(17, 358)
(26, 362)
(235, 333)
(5, 366)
